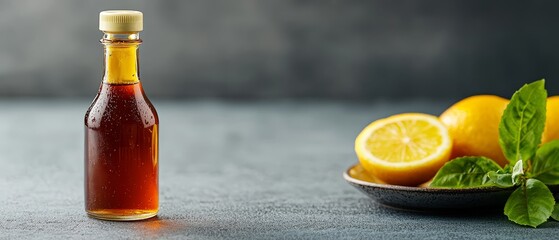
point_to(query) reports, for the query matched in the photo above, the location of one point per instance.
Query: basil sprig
(531, 167)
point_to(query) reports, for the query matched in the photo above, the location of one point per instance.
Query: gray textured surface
(350, 49)
(228, 170)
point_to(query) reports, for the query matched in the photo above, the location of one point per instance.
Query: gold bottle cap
(121, 21)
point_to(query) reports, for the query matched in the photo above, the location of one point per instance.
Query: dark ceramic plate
(423, 198)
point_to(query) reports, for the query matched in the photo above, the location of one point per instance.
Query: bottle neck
(121, 58)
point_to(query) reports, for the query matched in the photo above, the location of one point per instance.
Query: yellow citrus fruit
(473, 124)
(551, 131)
(404, 149)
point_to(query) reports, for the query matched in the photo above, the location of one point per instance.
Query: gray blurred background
(280, 49)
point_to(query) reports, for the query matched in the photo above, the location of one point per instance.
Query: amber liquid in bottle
(121, 139)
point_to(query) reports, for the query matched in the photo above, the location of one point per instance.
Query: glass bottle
(121, 130)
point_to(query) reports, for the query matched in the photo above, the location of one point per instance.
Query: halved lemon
(404, 149)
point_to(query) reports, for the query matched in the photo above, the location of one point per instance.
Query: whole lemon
(551, 131)
(473, 124)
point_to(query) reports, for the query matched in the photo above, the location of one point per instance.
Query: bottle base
(122, 214)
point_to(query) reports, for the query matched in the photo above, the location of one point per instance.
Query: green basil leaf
(465, 172)
(555, 213)
(500, 179)
(531, 204)
(523, 122)
(507, 169)
(545, 166)
(517, 172)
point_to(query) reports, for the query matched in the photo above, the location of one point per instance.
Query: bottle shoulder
(122, 107)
